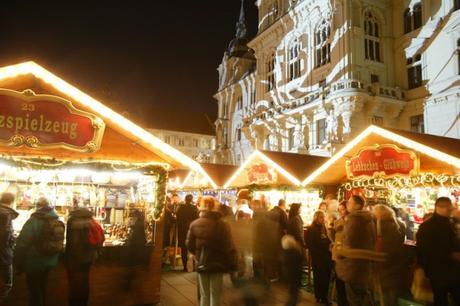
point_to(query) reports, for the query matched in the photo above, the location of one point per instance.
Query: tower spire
(241, 28)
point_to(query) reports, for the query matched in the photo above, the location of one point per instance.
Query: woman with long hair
(319, 246)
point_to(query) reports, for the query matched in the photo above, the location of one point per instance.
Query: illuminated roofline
(99, 108)
(266, 159)
(433, 153)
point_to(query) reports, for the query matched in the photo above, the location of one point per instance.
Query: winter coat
(354, 263)
(393, 272)
(318, 244)
(295, 229)
(210, 232)
(292, 259)
(186, 214)
(7, 215)
(77, 248)
(436, 240)
(26, 256)
(280, 217)
(336, 236)
(136, 251)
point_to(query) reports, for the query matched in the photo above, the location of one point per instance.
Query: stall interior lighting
(266, 159)
(436, 154)
(96, 106)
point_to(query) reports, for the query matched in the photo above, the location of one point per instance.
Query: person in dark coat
(393, 272)
(186, 214)
(170, 220)
(295, 224)
(27, 256)
(438, 253)
(279, 218)
(292, 259)
(7, 215)
(319, 246)
(357, 255)
(210, 241)
(79, 255)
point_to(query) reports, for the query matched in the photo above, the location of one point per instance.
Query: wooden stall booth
(271, 176)
(58, 142)
(403, 169)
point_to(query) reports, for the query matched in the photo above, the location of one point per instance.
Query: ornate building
(319, 71)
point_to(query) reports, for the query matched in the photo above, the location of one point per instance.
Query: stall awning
(435, 154)
(122, 140)
(217, 175)
(274, 168)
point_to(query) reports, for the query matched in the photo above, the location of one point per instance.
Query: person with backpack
(186, 214)
(37, 249)
(7, 215)
(84, 239)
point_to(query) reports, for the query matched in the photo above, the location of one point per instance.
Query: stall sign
(261, 174)
(45, 121)
(382, 161)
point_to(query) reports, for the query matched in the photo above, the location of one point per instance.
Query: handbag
(421, 287)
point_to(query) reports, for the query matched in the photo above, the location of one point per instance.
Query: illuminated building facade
(319, 71)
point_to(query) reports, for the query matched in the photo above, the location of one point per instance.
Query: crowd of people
(36, 250)
(358, 249)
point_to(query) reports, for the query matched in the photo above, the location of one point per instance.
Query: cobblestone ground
(179, 289)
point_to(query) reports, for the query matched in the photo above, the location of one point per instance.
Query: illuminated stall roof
(217, 175)
(123, 138)
(439, 155)
(274, 168)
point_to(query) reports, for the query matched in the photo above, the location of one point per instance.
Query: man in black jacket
(438, 252)
(7, 215)
(186, 214)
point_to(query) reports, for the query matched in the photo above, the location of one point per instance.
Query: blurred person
(226, 211)
(409, 222)
(456, 219)
(242, 233)
(322, 206)
(7, 240)
(292, 258)
(84, 239)
(186, 214)
(319, 246)
(37, 250)
(295, 224)
(210, 241)
(279, 218)
(170, 218)
(393, 272)
(438, 253)
(357, 253)
(336, 236)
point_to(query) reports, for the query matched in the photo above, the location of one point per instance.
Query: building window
(294, 60)
(375, 78)
(377, 120)
(195, 143)
(167, 139)
(270, 66)
(238, 134)
(413, 18)
(371, 37)
(414, 71)
(225, 110)
(320, 131)
(180, 141)
(417, 124)
(322, 44)
(291, 132)
(456, 4)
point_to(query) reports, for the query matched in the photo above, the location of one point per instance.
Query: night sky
(145, 57)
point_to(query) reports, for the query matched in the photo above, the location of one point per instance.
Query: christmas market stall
(208, 182)
(403, 169)
(271, 176)
(58, 142)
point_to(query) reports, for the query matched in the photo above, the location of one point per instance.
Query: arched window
(407, 21)
(417, 12)
(322, 44)
(456, 4)
(294, 60)
(371, 37)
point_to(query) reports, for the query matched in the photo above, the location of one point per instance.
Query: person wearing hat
(7, 215)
